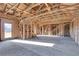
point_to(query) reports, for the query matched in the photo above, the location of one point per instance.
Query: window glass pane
(7, 30)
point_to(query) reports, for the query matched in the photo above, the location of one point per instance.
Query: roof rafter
(68, 8)
(12, 7)
(32, 6)
(48, 8)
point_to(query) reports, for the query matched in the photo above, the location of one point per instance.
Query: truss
(37, 11)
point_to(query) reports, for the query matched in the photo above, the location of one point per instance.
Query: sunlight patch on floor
(34, 43)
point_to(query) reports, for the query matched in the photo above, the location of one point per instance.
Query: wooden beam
(41, 5)
(32, 6)
(31, 30)
(5, 7)
(48, 8)
(24, 11)
(30, 13)
(35, 29)
(68, 8)
(42, 30)
(61, 29)
(49, 29)
(27, 31)
(12, 7)
(29, 8)
(40, 11)
(23, 31)
(7, 16)
(53, 22)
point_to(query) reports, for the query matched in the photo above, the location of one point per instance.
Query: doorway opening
(67, 30)
(7, 30)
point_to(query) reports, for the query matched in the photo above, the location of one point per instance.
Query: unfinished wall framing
(29, 19)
